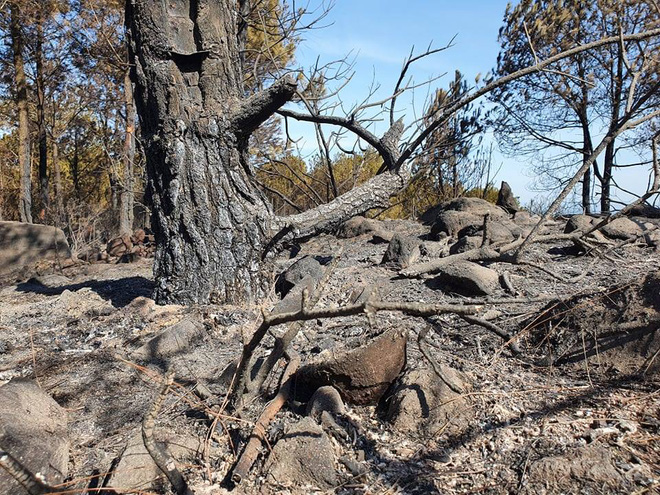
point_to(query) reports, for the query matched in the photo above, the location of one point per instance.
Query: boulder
(525, 218)
(22, 245)
(501, 231)
(402, 251)
(468, 278)
(137, 471)
(652, 239)
(357, 226)
(622, 228)
(506, 199)
(33, 430)
(463, 212)
(138, 236)
(293, 301)
(593, 465)
(326, 399)
(119, 245)
(304, 267)
(303, 456)
(580, 223)
(360, 375)
(175, 339)
(466, 243)
(421, 401)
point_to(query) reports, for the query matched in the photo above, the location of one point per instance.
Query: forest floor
(577, 411)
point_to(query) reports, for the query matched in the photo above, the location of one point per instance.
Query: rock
(421, 402)
(119, 245)
(525, 218)
(292, 302)
(360, 375)
(644, 210)
(581, 223)
(505, 231)
(622, 228)
(22, 245)
(33, 430)
(175, 339)
(506, 199)
(357, 226)
(466, 243)
(435, 249)
(136, 470)
(303, 456)
(469, 278)
(382, 237)
(138, 236)
(327, 399)
(652, 239)
(463, 212)
(402, 251)
(305, 266)
(592, 465)
(129, 257)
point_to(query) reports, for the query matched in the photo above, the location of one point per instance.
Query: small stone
(325, 398)
(469, 278)
(304, 455)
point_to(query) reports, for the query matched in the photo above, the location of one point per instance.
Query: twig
(159, 453)
(20, 473)
(515, 349)
(258, 435)
(437, 367)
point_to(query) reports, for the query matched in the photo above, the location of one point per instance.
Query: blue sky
(379, 35)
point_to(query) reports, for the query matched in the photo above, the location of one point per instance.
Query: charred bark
(127, 194)
(210, 220)
(24, 158)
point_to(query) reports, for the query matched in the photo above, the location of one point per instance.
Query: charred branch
(255, 110)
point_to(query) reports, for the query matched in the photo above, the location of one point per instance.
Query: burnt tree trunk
(24, 157)
(211, 223)
(41, 121)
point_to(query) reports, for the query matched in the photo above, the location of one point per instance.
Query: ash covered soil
(576, 410)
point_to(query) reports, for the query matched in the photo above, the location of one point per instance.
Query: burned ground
(576, 411)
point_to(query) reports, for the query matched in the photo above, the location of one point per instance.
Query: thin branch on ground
(158, 452)
(258, 436)
(437, 367)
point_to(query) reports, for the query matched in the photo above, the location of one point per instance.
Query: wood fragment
(258, 436)
(24, 476)
(159, 452)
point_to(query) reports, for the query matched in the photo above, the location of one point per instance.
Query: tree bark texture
(25, 193)
(127, 194)
(210, 221)
(41, 122)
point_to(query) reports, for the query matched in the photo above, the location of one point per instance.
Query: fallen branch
(258, 436)
(24, 476)
(495, 252)
(437, 367)
(282, 343)
(368, 307)
(495, 329)
(158, 452)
